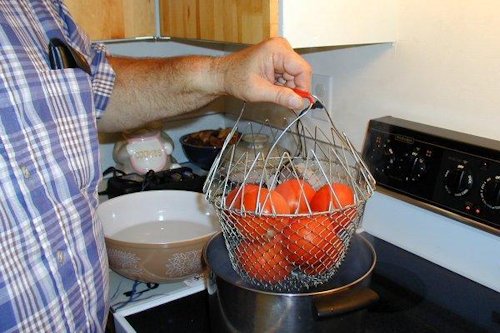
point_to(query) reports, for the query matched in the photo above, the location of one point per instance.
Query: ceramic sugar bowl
(143, 150)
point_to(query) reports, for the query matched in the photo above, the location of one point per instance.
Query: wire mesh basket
(288, 200)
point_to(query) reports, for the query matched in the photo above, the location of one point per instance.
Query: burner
(176, 179)
(394, 296)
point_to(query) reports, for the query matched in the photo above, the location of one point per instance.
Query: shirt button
(26, 172)
(60, 257)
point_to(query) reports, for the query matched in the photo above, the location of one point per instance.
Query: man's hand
(265, 73)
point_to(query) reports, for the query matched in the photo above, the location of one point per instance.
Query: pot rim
(304, 294)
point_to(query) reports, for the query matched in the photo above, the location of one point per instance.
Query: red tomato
(345, 217)
(270, 202)
(330, 258)
(297, 193)
(265, 262)
(344, 196)
(250, 201)
(312, 243)
(252, 226)
(247, 188)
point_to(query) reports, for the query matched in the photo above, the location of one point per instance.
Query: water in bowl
(162, 232)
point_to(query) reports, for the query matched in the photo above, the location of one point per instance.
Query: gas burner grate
(120, 183)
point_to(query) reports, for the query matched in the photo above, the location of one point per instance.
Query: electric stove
(434, 224)
(416, 296)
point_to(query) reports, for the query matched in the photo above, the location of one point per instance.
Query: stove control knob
(490, 192)
(382, 157)
(458, 181)
(416, 167)
(390, 160)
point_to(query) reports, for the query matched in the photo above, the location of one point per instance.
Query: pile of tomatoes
(292, 226)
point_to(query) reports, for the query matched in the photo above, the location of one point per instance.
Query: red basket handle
(304, 94)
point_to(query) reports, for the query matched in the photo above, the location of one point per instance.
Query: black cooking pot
(336, 306)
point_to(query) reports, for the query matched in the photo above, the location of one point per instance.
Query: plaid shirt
(53, 266)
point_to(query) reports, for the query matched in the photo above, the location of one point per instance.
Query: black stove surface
(415, 296)
(419, 296)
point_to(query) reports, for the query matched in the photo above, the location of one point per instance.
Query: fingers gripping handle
(304, 94)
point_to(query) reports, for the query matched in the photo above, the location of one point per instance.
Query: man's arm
(151, 89)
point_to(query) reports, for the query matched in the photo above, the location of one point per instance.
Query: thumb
(283, 96)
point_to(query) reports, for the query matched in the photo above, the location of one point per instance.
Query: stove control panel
(451, 173)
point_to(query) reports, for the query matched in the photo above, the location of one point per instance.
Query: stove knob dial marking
(458, 181)
(416, 166)
(490, 192)
(383, 156)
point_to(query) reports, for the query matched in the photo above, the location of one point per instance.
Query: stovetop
(420, 296)
(415, 296)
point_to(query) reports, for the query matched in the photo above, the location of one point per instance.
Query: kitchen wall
(443, 70)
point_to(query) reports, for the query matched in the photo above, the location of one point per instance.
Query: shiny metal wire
(302, 249)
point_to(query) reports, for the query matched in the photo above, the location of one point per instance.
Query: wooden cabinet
(114, 19)
(305, 23)
(219, 20)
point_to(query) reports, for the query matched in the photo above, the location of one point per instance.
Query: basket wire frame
(301, 249)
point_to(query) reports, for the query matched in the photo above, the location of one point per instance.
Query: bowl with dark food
(202, 147)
